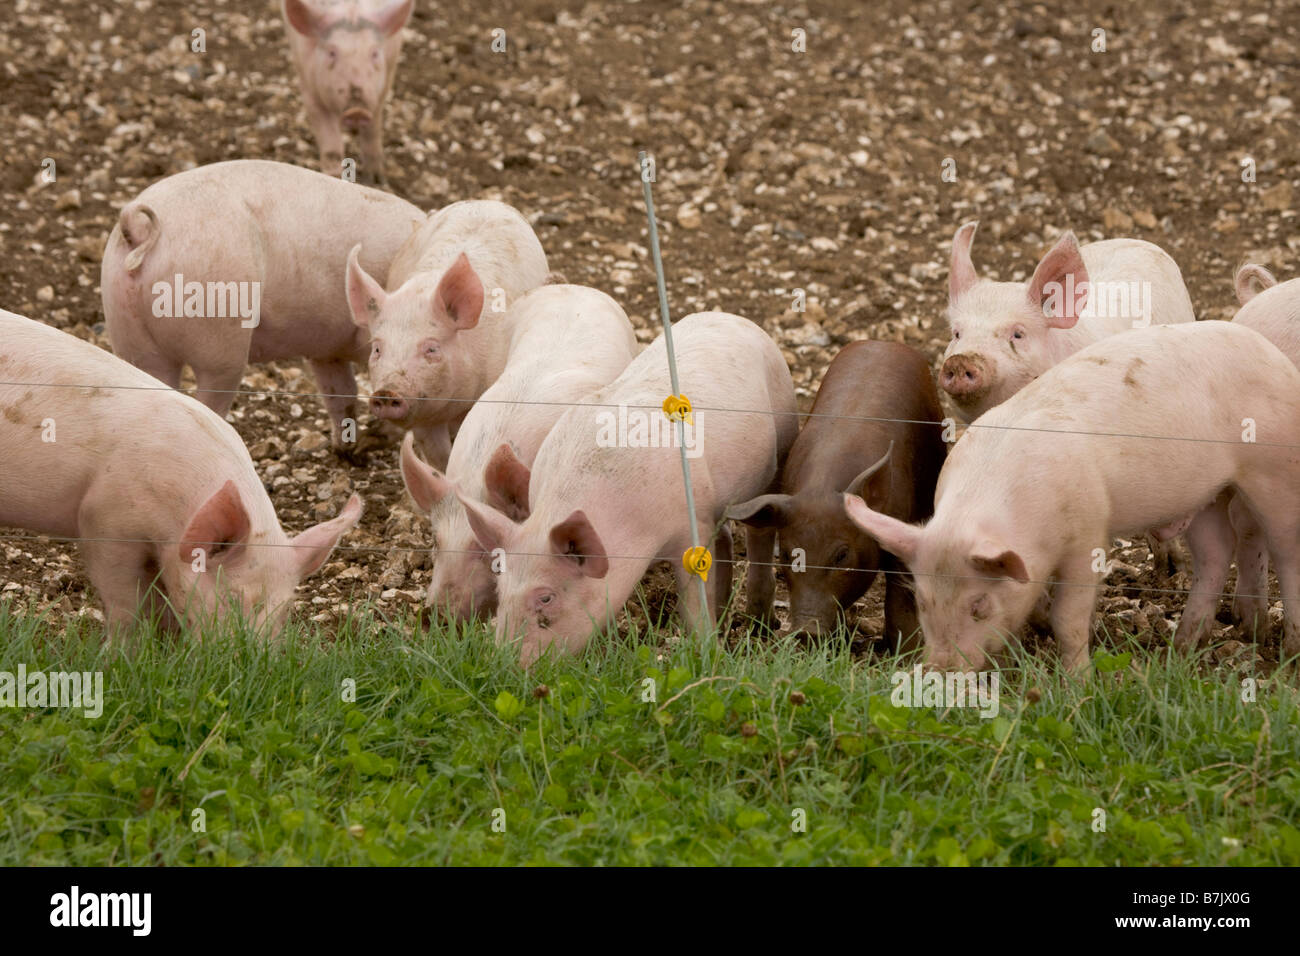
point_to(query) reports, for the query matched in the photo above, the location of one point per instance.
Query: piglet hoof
(1291, 646)
(1164, 559)
(357, 452)
(352, 453)
(1189, 635)
(1079, 666)
(900, 642)
(1251, 620)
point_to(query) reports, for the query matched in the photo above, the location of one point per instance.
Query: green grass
(445, 729)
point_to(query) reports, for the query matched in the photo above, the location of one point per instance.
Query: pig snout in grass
(462, 588)
(172, 520)
(262, 584)
(440, 333)
(571, 341)
(874, 432)
(606, 497)
(1006, 334)
(1135, 432)
(267, 285)
(346, 57)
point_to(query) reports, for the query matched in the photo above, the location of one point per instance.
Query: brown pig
(874, 432)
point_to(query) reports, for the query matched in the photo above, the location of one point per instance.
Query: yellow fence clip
(678, 408)
(697, 560)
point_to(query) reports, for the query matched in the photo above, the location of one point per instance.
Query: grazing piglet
(1144, 430)
(571, 341)
(440, 335)
(865, 437)
(346, 53)
(1006, 334)
(172, 518)
(606, 495)
(244, 262)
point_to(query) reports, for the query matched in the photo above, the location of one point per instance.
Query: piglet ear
(426, 484)
(304, 18)
(506, 478)
(1064, 298)
(491, 528)
(873, 485)
(765, 511)
(897, 537)
(220, 527)
(962, 274)
(365, 296)
(312, 548)
(989, 561)
(392, 17)
(574, 537)
(459, 297)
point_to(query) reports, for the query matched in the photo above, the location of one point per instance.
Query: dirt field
(777, 170)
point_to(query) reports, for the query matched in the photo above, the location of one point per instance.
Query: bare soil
(777, 170)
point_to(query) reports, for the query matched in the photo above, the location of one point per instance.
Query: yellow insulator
(678, 407)
(698, 561)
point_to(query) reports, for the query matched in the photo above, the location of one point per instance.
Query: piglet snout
(953, 659)
(356, 119)
(964, 377)
(385, 404)
(458, 602)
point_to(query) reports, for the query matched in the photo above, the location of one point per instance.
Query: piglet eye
(979, 608)
(1018, 334)
(841, 556)
(956, 334)
(546, 599)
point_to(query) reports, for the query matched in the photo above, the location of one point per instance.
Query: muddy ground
(820, 170)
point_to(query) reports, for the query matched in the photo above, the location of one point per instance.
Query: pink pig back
(635, 495)
(1083, 426)
(124, 444)
(283, 226)
(502, 247)
(1275, 314)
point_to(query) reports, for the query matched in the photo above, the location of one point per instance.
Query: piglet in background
(606, 495)
(874, 432)
(244, 262)
(440, 334)
(571, 340)
(173, 521)
(1138, 431)
(1006, 334)
(345, 52)
(1274, 312)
